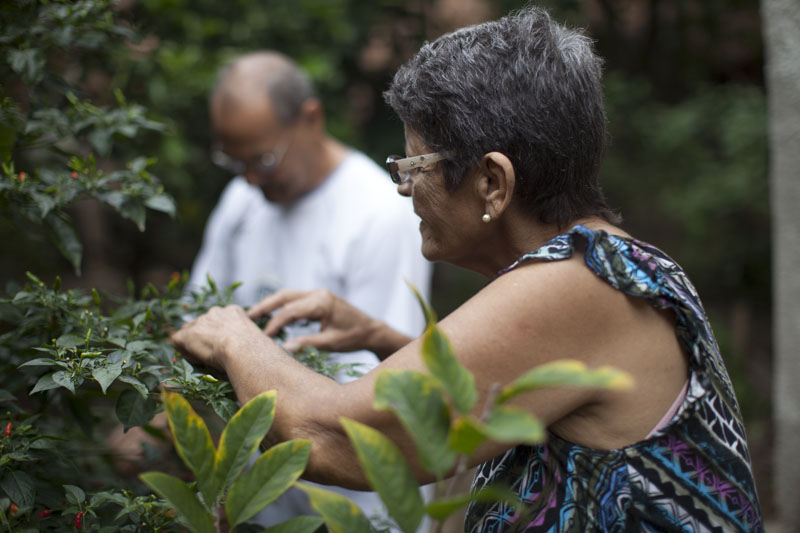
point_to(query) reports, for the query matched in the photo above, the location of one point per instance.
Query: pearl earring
(486, 218)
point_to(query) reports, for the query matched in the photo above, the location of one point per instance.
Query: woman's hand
(206, 340)
(344, 328)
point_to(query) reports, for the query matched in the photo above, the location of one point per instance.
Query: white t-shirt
(354, 235)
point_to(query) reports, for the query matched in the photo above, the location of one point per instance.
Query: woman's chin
(430, 251)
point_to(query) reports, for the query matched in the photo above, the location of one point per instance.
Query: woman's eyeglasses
(400, 168)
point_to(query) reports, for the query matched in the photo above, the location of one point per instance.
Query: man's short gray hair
(283, 81)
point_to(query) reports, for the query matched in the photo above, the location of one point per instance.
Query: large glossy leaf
(298, 524)
(19, 487)
(339, 513)
(133, 410)
(193, 442)
(268, 478)
(437, 353)
(565, 372)
(417, 400)
(388, 474)
(240, 438)
(182, 498)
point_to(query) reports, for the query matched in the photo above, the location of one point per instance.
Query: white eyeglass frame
(400, 169)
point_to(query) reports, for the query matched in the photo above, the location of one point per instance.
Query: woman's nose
(404, 189)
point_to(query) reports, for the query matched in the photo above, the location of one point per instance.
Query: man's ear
(312, 113)
(496, 182)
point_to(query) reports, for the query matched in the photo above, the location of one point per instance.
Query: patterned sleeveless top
(692, 474)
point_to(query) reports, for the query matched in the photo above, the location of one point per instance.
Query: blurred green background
(686, 167)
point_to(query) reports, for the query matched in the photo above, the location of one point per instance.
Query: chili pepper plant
(77, 366)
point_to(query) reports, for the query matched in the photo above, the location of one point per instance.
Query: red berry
(44, 514)
(8, 430)
(79, 520)
(22, 176)
(74, 175)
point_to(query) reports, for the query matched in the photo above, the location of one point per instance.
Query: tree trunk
(781, 25)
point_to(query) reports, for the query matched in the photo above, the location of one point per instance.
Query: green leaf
(443, 364)
(298, 524)
(465, 436)
(388, 474)
(183, 499)
(134, 210)
(512, 424)
(75, 495)
(224, 407)
(161, 202)
(106, 374)
(269, 477)
(430, 314)
(41, 361)
(565, 372)
(140, 387)
(444, 507)
(193, 442)
(28, 63)
(339, 513)
(65, 238)
(19, 487)
(241, 437)
(70, 340)
(133, 410)
(44, 383)
(138, 346)
(64, 379)
(417, 400)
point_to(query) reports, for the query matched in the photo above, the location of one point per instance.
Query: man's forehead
(238, 120)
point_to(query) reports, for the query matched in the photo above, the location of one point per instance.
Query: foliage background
(687, 163)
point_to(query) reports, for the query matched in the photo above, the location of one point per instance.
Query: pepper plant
(75, 364)
(434, 408)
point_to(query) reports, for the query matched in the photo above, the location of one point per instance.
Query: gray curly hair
(524, 86)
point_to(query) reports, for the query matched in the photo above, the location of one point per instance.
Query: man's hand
(344, 328)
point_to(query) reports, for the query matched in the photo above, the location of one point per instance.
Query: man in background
(304, 212)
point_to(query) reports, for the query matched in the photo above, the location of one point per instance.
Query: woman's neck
(514, 237)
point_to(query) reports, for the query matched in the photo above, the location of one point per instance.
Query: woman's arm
(530, 316)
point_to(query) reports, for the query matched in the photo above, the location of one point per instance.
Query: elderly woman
(505, 131)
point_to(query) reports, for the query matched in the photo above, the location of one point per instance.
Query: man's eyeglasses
(400, 168)
(263, 164)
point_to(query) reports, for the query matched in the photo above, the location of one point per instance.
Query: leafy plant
(434, 408)
(219, 470)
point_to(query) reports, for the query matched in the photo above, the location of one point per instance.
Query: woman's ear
(495, 185)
